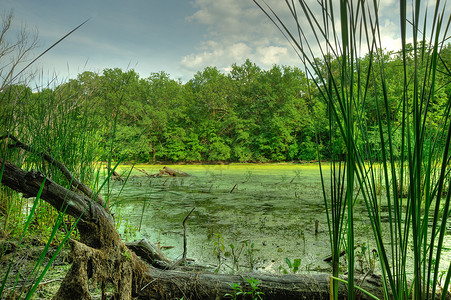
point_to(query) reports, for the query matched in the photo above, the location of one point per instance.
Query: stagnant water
(255, 215)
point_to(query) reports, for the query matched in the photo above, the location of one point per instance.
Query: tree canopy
(246, 115)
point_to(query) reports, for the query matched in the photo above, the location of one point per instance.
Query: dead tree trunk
(167, 172)
(100, 258)
(175, 173)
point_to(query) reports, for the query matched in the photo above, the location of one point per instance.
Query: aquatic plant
(293, 267)
(237, 291)
(407, 140)
(218, 249)
(49, 131)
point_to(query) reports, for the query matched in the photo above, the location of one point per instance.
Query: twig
(178, 262)
(30, 284)
(184, 232)
(143, 171)
(48, 49)
(147, 284)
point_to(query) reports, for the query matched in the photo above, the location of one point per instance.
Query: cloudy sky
(175, 36)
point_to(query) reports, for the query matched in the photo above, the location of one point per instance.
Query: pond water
(254, 216)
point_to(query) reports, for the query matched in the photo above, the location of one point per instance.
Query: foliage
(254, 292)
(293, 267)
(54, 123)
(247, 115)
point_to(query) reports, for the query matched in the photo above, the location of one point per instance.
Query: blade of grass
(27, 224)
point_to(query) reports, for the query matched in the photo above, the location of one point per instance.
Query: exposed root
(102, 260)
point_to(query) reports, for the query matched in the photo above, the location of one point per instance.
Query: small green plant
(235, 254)
(255, 289)
(250, 254)
(293, 267)
(130, 231)
(218, 249)
(126, 254)
(366, 259)
(255, 292)
(237, 290)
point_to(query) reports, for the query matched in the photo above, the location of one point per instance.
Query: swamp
(247, 216)
(326, 179)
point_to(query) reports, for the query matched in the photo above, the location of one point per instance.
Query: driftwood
(144, 171)
(151, 253)
(115, 175)
(101, 258)
(166, 172)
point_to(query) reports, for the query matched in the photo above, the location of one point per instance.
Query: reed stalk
(57, 122)
(350, 75)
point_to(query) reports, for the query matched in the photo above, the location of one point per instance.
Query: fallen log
(151, 253)
(175, 173)
(75, 183)
(166, 172)
(101, 258)
(144, 171)
(196, 282)
(175, 284)
(115, 175)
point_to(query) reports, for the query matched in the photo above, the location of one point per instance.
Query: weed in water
(218, 249)
(250, 254)
(235, 254)
(366, 259)
(411, 153)
(293, 267)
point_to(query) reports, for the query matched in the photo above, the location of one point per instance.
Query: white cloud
(180, 38)
(216, 54)
(237, 30)
(390, 39)
(271, 55)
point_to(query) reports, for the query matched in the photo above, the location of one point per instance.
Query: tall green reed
(52, 122)
(56, 120)
(59, 121)
(398, 112)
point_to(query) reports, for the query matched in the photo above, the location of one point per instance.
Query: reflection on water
(259, 214)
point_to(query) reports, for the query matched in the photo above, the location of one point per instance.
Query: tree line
(247, 115)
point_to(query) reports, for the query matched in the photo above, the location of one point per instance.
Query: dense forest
(246, 115)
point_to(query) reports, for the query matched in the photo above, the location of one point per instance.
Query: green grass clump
(383, 132)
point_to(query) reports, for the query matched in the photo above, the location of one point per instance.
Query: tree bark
(175, 284)
(101, 258)
(75, 183)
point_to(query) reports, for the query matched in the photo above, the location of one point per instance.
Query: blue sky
(175, 36)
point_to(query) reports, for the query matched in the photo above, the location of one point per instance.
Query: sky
(175, 36)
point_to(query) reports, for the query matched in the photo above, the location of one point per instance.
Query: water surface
(259, 214)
